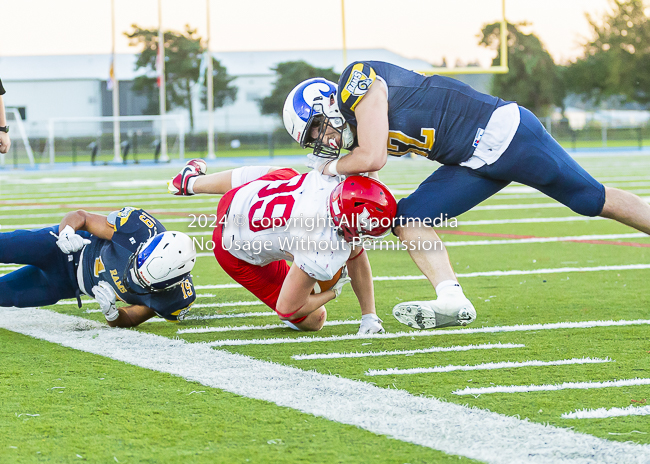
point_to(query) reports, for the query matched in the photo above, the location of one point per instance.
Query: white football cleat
(433, 314)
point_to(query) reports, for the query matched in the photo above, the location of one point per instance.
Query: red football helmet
(362, 208)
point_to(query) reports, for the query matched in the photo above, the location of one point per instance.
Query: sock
(292, 325)
(372, 317)
(190, 185)
(448, 286)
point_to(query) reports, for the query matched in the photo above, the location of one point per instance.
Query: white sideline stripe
(562, 386)
(434, 349)
(233, 303)
(255, 327)
(434, 333)
(603, 413)
(429, 422)
(485, 366)
(219, 316)
(567, 238)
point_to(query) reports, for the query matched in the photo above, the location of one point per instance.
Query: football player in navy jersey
(483, 143)
(127, 256)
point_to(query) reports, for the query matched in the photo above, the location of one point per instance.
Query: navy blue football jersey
(432, 116)
(107, 259)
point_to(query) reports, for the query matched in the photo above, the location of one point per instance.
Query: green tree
(183, 53)
(617, 59)
(533, 80)
(290, 74)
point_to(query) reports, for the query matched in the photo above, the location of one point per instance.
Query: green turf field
(60, 404)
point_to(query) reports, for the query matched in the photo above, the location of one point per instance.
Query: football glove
(183, 182)
(105, 296)
(370, 324)
(316, 162)
(69, 241)
(344, 279)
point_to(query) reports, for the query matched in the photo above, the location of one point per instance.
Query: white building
(45, 87)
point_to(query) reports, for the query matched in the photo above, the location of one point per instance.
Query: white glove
(105, 296)
(69, 242)
(344, 279)
(316, 162)
(370, 324)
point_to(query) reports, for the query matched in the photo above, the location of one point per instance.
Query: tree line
(616, 63)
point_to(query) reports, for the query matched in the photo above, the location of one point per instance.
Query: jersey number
(186, 286)
(268, 221)
(400, 144)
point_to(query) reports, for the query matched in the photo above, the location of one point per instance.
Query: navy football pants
(48, 276)
(533, 158)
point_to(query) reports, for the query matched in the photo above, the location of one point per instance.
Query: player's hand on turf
(184, 180)
(344, 279)
(69, 241)
(370, 324)
(105, 296)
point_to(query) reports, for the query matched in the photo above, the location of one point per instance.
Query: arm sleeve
(244, 175)
(353, 85)
(2, 89)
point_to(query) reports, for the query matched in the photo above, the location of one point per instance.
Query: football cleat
(434, 314)
(179, 185)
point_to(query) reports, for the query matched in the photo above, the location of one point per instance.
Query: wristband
(332, 167)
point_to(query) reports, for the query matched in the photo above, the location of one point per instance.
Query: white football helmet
(314, 102)
(162, 262)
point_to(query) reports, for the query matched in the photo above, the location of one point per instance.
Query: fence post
(271, 144)
(603, 134)
(639, 131)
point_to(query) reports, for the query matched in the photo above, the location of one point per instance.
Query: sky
(425, 29)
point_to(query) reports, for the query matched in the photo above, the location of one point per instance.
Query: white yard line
(451, 428)
(433, 333)
(434, 349)
(222, 305)
(256, 327)
(219, 316)
(603, 413)
(561, 386)
(489, 222)
(567, 238)
(485, 366)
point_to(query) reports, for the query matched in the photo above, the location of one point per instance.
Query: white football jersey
(269, 220)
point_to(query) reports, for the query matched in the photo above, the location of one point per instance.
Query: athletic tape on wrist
(332, 168)
(112, 314)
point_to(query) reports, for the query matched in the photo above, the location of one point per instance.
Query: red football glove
(179, 185)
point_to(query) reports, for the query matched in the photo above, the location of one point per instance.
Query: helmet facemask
(319, 118)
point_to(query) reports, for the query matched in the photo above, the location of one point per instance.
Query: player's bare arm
(360, 272)
(372, 134)
(131, 316)
(217, 183)
(193, 180)
(96, 224)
